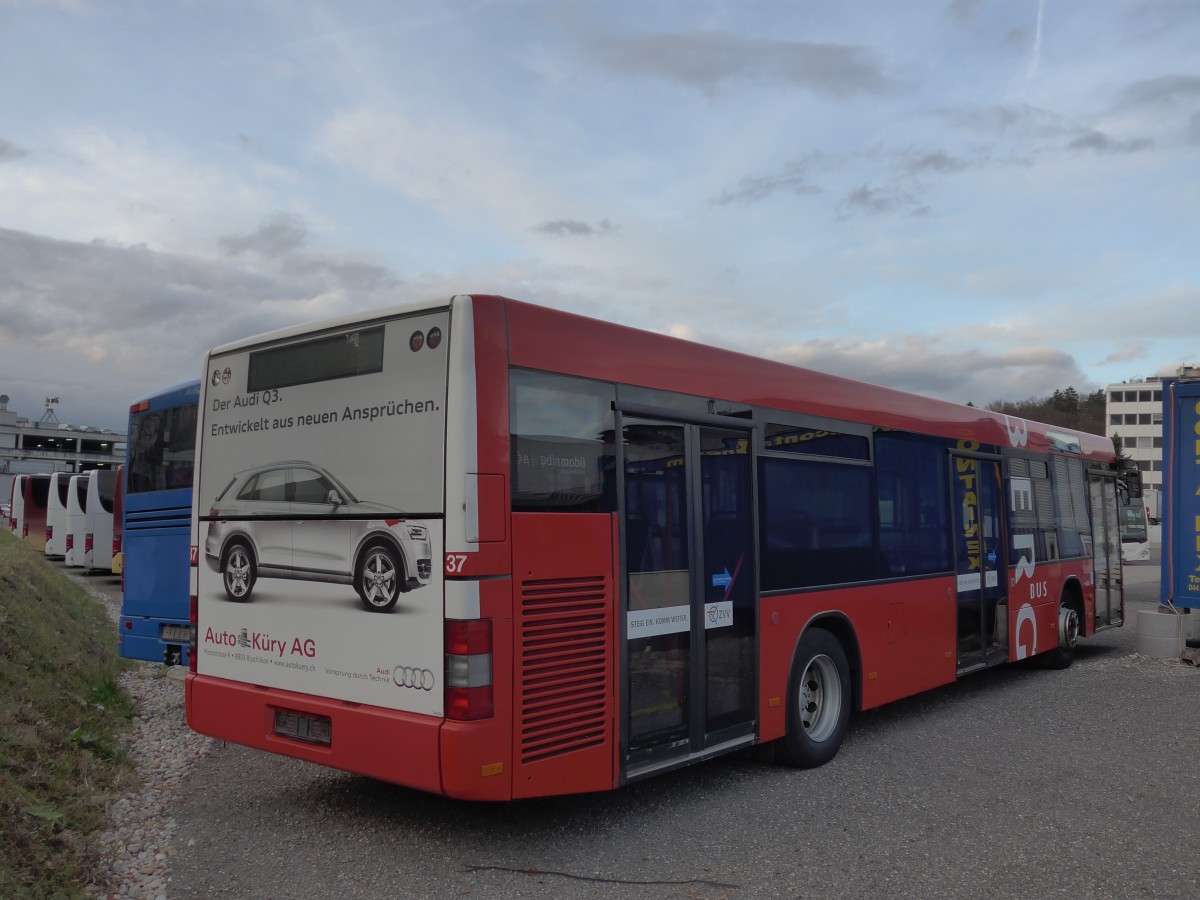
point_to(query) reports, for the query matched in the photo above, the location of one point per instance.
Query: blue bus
(155, 610)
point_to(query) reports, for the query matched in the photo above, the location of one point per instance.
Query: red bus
(531, 553)
(118, 554)
(31, 526)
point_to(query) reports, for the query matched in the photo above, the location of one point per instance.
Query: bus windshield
(1133, 521)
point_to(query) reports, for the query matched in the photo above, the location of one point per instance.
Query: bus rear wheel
(819, 699)
(238, 572)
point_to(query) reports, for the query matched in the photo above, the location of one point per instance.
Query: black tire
(238, 571)
(819, 700)
(379, 578)
(1068, 636)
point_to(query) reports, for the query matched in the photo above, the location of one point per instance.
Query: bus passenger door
(689, 661)
(1106, 549)
(982, 608)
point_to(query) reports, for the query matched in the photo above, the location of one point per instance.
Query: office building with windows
(27, 447)
(1133, 411)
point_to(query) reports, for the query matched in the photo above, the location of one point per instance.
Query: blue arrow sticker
(724, 579)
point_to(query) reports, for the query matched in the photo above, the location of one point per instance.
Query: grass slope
(61, 712)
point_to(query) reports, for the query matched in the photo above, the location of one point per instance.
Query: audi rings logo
(412, 677)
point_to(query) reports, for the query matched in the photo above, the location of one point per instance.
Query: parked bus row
(133, 522)
(68, 516)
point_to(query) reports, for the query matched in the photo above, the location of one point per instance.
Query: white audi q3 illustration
(292, 519)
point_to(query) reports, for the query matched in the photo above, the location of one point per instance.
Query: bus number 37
(456, 563)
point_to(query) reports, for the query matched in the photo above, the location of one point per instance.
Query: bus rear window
(162, 449)
(323, 359)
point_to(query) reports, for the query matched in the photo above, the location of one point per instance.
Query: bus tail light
(116, 545)
(89, 543)
(25, 530)
(70, 542)
(49, 533)
(194, 618)
(469, 669)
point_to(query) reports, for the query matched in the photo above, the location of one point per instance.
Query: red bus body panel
(380, 743)
(564, 725)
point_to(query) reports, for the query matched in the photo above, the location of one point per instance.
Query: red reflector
(466, 637)
(466, 704)
(128, 625)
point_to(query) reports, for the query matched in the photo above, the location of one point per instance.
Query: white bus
(98, 537)
(1135, 530)
(56, 515)
(77, 496)
(16, 506)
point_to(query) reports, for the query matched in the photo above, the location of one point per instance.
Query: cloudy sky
(975, 199)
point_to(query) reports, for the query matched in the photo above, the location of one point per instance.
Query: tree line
(1066, 408)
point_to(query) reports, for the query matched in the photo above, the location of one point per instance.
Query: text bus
(1180, 581)
(646, 552)
(157, 506)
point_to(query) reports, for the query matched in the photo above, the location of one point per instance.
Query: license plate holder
(177, 633)
(302, 727)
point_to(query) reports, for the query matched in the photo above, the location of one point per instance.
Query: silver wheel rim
(379, 579)
(820, 699)
(237, 572)
(1068, 627)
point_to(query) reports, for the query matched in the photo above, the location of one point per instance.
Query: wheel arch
(380, 538)
(840, 626)
(242, 537)
(1072, 596)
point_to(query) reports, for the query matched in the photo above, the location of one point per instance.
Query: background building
(28, 447)
(1133, 411)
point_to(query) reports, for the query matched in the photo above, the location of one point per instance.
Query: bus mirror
(1131, 476)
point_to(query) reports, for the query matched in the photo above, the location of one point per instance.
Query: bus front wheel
(238, 572)
(1068, 636)
(819, 698)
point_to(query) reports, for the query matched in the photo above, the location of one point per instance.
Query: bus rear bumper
(398, 747)
(141, 638)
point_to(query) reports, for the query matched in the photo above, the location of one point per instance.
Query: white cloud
(128, 188)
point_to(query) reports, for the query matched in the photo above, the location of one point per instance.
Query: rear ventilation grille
(565, 665)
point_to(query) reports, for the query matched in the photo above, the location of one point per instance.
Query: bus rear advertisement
(296, 554)
(492, 550)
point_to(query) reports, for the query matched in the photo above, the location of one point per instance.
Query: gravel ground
(875, 824)
(139, 844)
